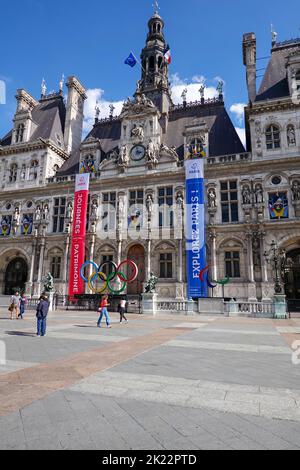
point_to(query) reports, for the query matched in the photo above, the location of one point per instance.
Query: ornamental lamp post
(277, 258)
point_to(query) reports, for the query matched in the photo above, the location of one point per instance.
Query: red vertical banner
(77, 255)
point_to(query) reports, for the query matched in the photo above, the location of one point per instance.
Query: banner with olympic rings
(114, 273)
(77, 255)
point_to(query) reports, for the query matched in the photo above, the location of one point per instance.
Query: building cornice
(271, 106)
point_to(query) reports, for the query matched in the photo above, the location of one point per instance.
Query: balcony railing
(234, 158)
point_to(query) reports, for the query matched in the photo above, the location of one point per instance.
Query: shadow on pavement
(19, 333)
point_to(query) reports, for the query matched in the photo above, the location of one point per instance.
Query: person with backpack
(14, 305)
(104, 312)
(41, 315)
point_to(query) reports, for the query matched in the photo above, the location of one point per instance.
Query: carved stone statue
(23, 173)
(246, 193)
(48, 283)
(137, 132)
(259, 194)
(94, 210)
(212, 199)
(122, 210)
(149, 205)
(151, 284)
(46, 212)
(296, 191)
(69, 212)
(291, 136)
(123, 157)
(16, 217)
(151, 153)
(184, 95)
(37, 214)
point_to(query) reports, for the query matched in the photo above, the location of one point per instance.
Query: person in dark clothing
(122, 309)
(41, 315)
(23, 302)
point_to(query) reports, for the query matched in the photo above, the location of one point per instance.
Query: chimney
(74, 114)
(249, 54)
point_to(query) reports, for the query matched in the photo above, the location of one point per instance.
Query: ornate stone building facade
(137, 190)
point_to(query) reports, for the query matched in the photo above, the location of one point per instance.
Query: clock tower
(155, 68)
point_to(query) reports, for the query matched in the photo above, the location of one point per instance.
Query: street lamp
(276, 257)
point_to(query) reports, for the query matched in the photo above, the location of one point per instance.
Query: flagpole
(138, 62)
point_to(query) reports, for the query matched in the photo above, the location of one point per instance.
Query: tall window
(232, 264)
(56, 266)
(136, 205)
(107, 269)
(20, 133)
(166, 266)
(165, 203)
(229, 202)
(109, 211)
(273, 137)
(13, 174)
(59, 214)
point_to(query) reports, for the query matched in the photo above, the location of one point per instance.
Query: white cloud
(192, 86)
(242, 135)
(238, 110)
(177, 86)
(94, 95)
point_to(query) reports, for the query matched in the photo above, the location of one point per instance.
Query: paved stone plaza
(155, 383)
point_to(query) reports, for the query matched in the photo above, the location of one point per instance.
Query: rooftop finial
(43, 87)
(97, 109)
(61, 83)
(274, 35)
(156, 7)
(111, 108)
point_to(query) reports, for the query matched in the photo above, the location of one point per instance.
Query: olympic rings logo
(107, 280)
(204, 277)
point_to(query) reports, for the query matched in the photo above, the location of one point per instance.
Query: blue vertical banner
(195, 228)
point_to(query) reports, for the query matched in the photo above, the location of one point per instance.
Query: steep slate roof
(275, 82)
(49, 115)
(223, 138)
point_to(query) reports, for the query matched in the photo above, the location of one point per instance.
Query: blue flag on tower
(131, 60)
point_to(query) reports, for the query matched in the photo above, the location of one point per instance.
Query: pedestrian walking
(23, 303)
(41, 315)
(14, 305)
(104, 312)
(122, 310)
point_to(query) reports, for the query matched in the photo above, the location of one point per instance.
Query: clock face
(138, 153)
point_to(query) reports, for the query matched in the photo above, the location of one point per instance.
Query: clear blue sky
(91, 39)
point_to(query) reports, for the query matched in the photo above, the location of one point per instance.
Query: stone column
(41, 265)
(214, 268)
(251, 284)
(91, 255)
(66, 264)
(148, 270)
(32, 262)
(264, 265)
(180, 261)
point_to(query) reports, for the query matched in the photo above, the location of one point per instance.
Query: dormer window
(273, 138)
(20, 133)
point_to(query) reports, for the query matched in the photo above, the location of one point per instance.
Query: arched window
(154, 28)
(232, 264)
(55, 264)
(160, 62)
(13, 173)
(20, 133)
(151, 63)
(273, 137)
(158, 28)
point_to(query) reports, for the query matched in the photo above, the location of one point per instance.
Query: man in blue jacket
(41, 315)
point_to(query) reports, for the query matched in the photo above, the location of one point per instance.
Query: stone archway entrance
(137, 254)
(15, 276)
(292, 274)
